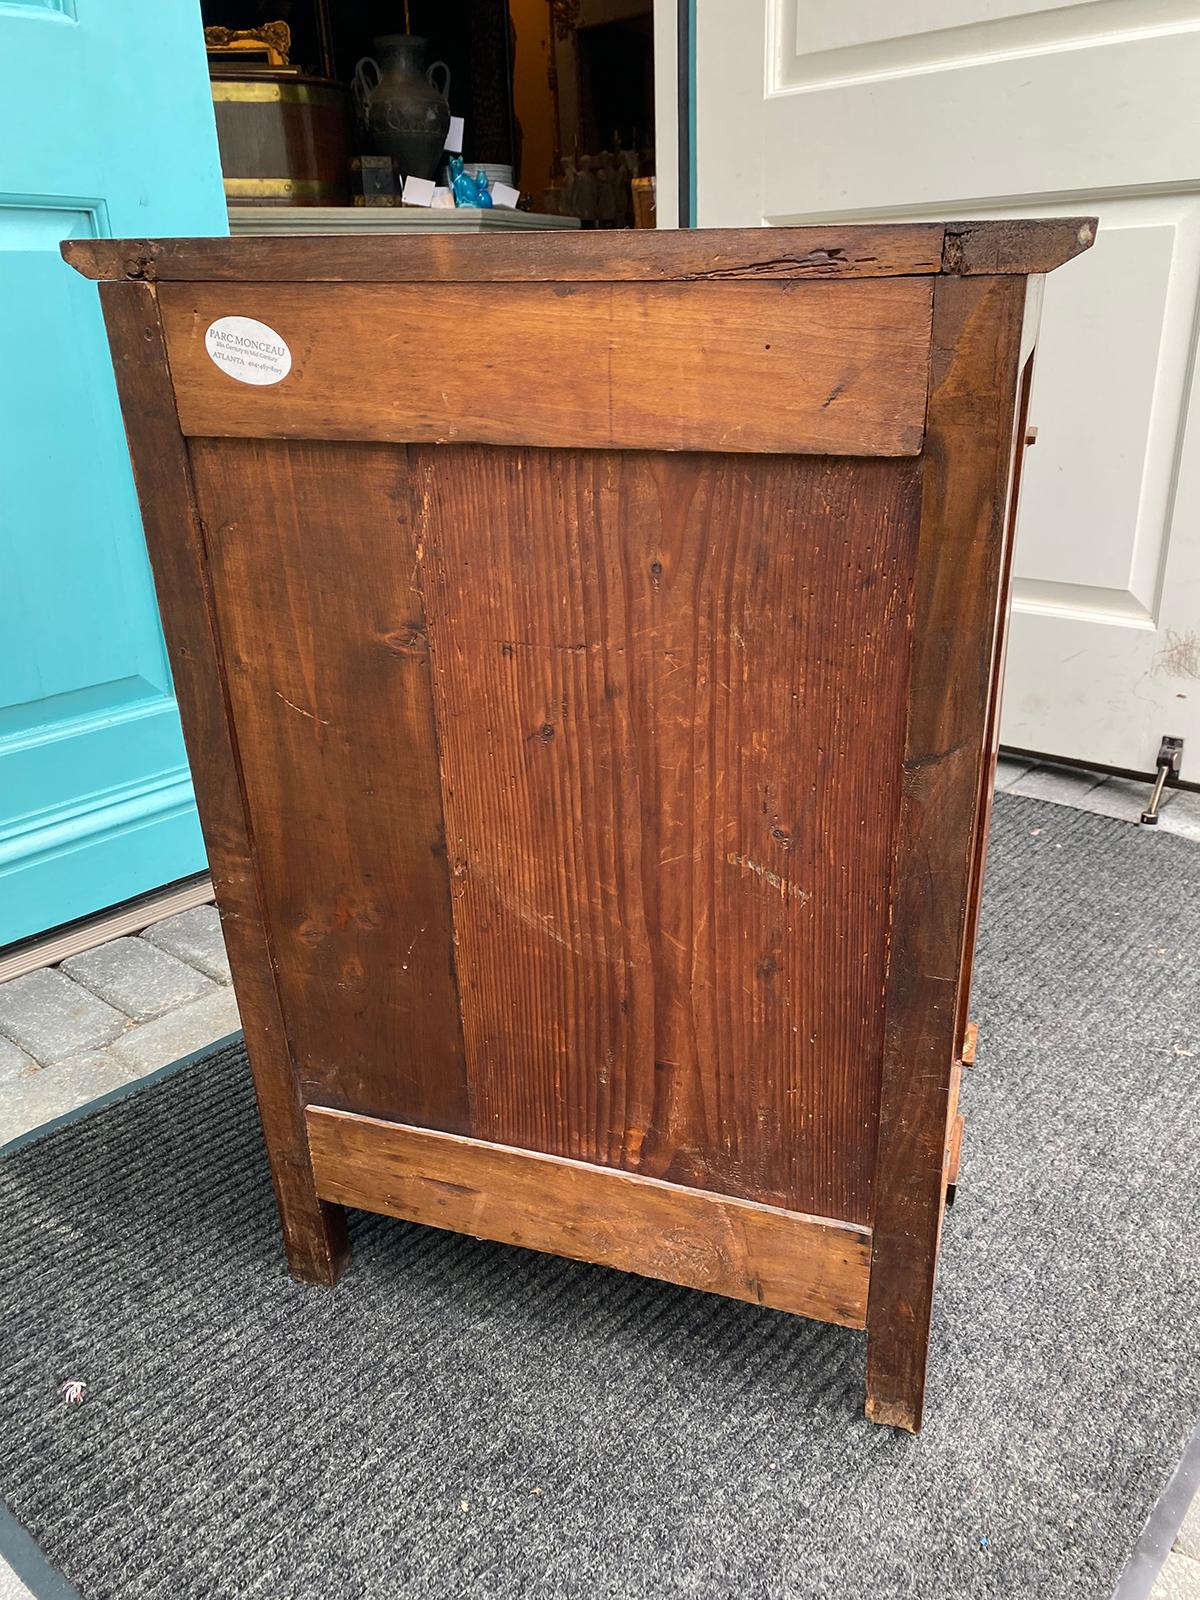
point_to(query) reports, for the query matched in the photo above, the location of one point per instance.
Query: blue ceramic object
(462, 185)
(468, 191)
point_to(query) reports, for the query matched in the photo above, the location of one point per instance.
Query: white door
(837, 110)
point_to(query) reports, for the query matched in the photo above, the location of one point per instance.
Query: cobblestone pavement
(101, 1019)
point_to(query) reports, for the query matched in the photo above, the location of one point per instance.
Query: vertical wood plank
(314, 1232)
(314, 581)
(991, 746)
(976, 343)
(672, 729)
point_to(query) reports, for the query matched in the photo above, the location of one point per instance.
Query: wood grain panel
(314, 1232)
(809, 1265)
(792, 367)
(670, 690)
(312, 564)
(977, 338)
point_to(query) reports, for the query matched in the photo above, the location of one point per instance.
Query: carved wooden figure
(588, 650)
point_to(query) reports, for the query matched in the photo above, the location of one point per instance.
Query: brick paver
(138, 978)
(194, 936)
(51, 1018)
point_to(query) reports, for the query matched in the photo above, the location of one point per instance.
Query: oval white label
(248, 350)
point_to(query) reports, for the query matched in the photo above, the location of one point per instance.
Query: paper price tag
(454, 138)
(418, 191)
(504, 195)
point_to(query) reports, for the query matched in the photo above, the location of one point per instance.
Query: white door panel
(834, 41)
(812, 110)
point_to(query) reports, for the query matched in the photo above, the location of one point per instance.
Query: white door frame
(674, 111)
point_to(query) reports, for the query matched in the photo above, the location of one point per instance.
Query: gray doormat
(460, 1419)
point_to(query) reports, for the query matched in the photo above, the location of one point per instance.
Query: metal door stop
(1170, 759)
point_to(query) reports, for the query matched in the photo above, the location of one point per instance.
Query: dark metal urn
(403, 112)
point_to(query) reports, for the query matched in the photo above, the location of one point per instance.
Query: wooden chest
(588, 652)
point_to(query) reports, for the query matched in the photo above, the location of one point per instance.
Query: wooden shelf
(293, 221)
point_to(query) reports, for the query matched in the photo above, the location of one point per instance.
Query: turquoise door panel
(106, 128)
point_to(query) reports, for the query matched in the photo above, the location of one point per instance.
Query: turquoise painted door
(106, 128)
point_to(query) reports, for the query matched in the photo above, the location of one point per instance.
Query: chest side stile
(314, 1230)
(965, 473)
(1021, 440)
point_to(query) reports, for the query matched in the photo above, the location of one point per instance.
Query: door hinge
(1170, 759)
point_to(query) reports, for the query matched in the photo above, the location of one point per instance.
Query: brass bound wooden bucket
(285, 138)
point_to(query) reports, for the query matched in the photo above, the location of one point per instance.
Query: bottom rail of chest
(813, 1266)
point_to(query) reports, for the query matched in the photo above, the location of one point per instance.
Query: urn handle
(433, 66)
(367, 78)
